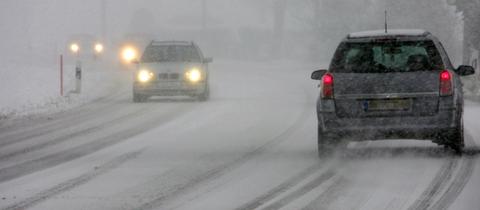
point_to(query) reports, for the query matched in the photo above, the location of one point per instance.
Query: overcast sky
(45, 27)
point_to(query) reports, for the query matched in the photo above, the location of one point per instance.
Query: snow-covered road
(252, 146)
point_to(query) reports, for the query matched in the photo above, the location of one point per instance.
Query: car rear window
(386, 57)
(170, 53)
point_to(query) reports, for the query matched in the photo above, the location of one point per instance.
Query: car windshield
(386, 57)
(170, 53)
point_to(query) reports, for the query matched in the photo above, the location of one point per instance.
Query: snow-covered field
(252, 146)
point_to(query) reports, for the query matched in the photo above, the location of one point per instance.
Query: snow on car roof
(394, 32)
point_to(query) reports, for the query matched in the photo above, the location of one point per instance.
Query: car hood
(170, 67)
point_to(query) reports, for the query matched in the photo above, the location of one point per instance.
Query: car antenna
(386, 23)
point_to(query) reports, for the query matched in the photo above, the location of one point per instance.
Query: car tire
(328, 143)
(456, 138)
(138, 98)
(205, 95)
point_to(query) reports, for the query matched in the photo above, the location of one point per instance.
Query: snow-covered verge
(472, 87)
(28, 91)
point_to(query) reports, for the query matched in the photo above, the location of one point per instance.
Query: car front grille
(174, 76)
(169, 76)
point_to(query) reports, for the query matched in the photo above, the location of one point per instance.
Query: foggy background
(253, 144)
(36, 32)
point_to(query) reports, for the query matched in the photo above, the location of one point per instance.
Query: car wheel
(137, 98)
(328, 143)
(456, 138)
(205, 95)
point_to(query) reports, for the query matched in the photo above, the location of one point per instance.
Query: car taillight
(327, 86)
(446, 84)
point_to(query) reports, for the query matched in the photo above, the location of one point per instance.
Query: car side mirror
(208, 60)
(317, 75)
(465, 70)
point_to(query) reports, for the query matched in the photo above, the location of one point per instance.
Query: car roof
(163, 43)
(390, 33)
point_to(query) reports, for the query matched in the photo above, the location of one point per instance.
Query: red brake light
(327, 86)
(445, 76)
(446, 85)
(328, 79)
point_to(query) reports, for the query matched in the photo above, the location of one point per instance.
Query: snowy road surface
(252, 146)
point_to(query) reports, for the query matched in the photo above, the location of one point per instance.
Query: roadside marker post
(78, 77)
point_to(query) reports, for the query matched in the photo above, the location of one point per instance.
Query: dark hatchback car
(395, 85)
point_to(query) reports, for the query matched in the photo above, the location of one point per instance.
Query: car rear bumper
(419, 127)
(176, 88)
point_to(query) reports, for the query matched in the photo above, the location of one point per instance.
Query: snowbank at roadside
(27, 90)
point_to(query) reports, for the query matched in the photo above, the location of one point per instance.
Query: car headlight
(144, 75)
(193, 75)
(129, 54)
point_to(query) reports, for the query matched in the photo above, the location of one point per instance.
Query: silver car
(395, 85)
(172, 68)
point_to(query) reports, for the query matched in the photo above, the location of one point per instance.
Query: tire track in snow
(326, 197)
(273, 193)
(219, 171)
(329, 195)
(97, 144)
(69, 136)
(457, 169)
(460, 180)
(338, 184)
(24, 133)
(45, 128)
(449, 180)
(18, 125)
(438, 183)
(457, 185)
(74, 182)
(329, 174)
(445, 173)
